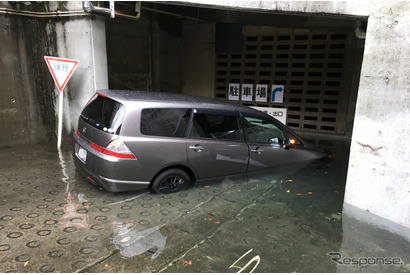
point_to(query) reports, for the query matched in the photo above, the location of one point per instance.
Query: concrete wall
(145, 54)
(378, 178)
(28, 109)
(128, 54)
(198, 62)
(23, 111)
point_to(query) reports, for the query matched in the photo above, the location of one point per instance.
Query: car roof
(172, 98)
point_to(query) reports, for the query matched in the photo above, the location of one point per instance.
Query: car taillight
(77, 133)
(116, 148)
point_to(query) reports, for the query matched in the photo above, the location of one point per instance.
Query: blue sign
(277, 93)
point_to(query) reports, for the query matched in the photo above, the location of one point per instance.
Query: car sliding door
(215, 146)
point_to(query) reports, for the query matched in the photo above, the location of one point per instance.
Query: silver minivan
(133, 140)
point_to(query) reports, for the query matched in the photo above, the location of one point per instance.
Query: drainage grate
(314, 67)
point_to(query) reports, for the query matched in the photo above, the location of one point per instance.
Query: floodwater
(53, 220)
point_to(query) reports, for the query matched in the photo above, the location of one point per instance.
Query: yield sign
(61, 69)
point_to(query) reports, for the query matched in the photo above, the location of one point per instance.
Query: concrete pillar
(84, 40)
(198, 60)
(378, 181)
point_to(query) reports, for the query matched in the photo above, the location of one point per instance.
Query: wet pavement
(53, 220)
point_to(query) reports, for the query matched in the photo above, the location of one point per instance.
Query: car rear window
(104, 113)
(165, 122)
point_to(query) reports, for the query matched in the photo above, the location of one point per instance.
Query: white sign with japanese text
(278, 113)
(233, 91)
(247, 92)
(61, 69)
(261, 93)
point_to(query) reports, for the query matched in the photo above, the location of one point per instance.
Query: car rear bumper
(110, 185)
(96, 177)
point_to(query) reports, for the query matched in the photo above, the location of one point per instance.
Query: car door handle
(197, 148)
(257, 151)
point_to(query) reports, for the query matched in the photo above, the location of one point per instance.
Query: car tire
(170, 181)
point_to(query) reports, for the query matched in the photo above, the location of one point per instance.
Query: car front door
(215, 145)
(266, 140)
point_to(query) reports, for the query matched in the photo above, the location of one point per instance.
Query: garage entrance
(200, 51)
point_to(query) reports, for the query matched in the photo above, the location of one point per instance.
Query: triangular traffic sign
(61, 69)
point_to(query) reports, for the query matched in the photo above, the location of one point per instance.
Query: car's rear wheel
(170, 181)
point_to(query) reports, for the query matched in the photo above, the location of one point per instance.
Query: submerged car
(133, 140)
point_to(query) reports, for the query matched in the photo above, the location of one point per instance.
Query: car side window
(165, 122)
(262, 130)
(215, 126)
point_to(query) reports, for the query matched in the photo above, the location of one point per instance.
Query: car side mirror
(286, 143)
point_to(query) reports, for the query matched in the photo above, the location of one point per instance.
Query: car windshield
(104, 113)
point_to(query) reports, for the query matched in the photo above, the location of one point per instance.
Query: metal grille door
(314, 67)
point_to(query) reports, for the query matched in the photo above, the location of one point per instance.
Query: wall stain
(40, 43)
(372, 150)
